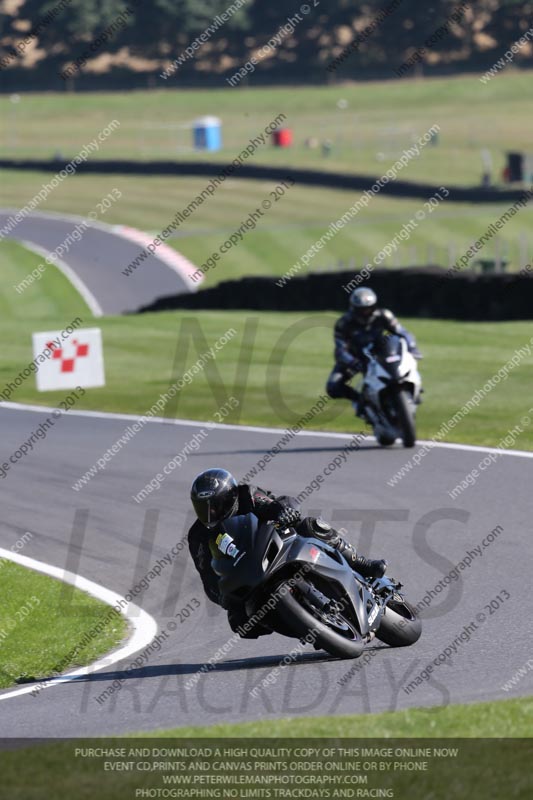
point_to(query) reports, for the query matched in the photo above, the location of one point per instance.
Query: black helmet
(214, 495)
(363, 303)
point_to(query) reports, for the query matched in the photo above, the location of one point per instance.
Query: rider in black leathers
(216, 495)
(361, 325)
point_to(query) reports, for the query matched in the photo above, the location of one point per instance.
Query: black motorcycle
(302, 587)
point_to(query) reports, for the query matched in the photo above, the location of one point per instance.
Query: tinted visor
(211, 510)
(363, 314)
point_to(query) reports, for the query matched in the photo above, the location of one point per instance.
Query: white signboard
(65, 361)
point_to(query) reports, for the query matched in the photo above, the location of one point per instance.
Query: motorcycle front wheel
(406, 420)
(385, 441)
(400, 626)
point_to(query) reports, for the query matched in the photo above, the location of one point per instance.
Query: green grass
(52, 298)
(380, 118)
(482, 768)
(472, 117)
(287, 230)
(276, 365)
(507, 718)
(42, 621)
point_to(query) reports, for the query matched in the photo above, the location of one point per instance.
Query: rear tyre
(406, 420)
(343, 645)
(400, 626)
(385, 441)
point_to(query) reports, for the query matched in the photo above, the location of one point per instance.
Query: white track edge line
(144, 626)
(70, 275)
(111, 230)
(191, 423)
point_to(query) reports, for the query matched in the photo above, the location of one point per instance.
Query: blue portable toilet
(207, 133)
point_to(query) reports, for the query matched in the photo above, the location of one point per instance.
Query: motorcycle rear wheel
(303, 622)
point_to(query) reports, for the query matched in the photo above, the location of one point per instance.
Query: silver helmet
(363, 302)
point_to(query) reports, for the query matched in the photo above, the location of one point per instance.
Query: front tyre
(406, 419)
(331, 632)
(400, 626)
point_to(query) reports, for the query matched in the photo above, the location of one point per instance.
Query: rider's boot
(358, 404)
(367, 567)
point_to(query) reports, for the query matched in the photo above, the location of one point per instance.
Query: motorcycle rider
(216, 496)
(360, 326)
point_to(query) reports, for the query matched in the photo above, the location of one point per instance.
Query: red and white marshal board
(68, 360)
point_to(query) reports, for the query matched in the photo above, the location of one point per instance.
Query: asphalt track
(416, 525)
(98, 258)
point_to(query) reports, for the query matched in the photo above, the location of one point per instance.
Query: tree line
(335, 38)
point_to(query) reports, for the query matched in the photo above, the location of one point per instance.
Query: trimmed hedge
(302, 177)
(414, 292)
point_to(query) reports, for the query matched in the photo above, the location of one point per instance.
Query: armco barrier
(302, 177)
(415, 292)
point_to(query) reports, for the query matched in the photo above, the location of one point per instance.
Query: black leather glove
(288, 517)
(353, 366)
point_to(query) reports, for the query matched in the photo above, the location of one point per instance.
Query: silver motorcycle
(390, 390)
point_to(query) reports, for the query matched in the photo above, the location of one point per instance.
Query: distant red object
(282, 137)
